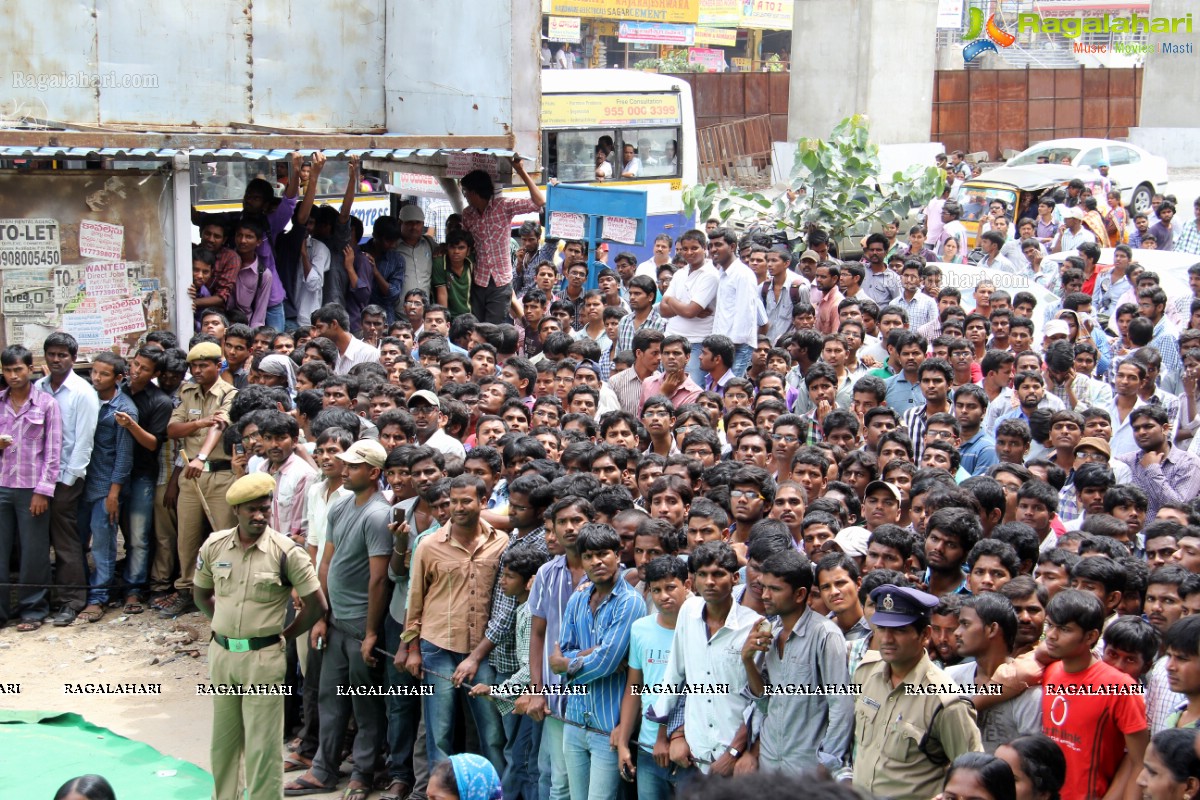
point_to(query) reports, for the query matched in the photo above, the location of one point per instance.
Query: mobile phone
(398, 515)
(239, 449)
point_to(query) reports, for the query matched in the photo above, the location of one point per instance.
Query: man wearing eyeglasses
(751, 494)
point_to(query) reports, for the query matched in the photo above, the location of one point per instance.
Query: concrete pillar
(1171, 89)
(873, 57)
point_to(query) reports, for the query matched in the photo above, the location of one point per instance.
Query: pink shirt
(32, 460)
(492, 231)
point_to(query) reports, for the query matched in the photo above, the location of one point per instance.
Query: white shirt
(649, 269)
(446, 444)
(418, 268)
(319, 500)
(711, 717)
(694, 286)
(80, 408)
(603, 170)
(1122, 440)
(633, 168)
(739, 309)
(1071, 241)
(307, 291)
(357, 352)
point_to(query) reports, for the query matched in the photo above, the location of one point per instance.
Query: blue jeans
(95, 525)
(275, 317)
(656, 783)
(439, 708)
(742, 353)
(403, 711)
(591, 765)
(138, 513)
(552, 764)
(520, 778)
(693, 366)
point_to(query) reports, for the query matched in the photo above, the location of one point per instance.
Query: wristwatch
(201, 457)
(733, 752)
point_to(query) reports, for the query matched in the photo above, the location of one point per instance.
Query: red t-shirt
(1090, 728)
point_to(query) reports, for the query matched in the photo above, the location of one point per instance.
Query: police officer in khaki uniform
(251, 570)
(198, 422)
(906, 739)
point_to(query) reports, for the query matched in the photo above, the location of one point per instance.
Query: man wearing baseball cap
(1072, 232)
(426, 408)
(906, 738)
(353, 572)
(253, 569)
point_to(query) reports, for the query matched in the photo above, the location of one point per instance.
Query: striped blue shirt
(607, 631)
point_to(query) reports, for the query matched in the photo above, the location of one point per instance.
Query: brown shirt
(450, 598)
(196, 405)
(250, 595)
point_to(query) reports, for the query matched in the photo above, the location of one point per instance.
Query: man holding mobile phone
(149, 432)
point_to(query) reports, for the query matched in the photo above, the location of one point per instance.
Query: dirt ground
(120, 648)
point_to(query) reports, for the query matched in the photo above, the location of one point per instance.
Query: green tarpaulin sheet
(43, 750)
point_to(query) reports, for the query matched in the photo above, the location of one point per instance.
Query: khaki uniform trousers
(190, 512)
(250, 727)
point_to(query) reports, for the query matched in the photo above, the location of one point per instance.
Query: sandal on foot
(296, 762)
(305, 785)
(93, 613)
(28, 625)
(133, 605)
(396, 790)
(356, 793)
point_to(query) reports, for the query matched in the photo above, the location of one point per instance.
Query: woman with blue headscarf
(464, 777)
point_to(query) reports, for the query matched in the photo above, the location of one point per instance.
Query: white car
(1137, 173)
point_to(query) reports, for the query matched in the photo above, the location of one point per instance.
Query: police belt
(245, 645)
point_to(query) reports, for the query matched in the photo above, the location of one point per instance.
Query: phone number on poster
(30, 258)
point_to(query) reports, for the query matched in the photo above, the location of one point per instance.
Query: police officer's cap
(896, 607)
(205, 351)
(250, 487)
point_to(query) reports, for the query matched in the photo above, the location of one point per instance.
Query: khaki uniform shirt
(251, 599)
(890, 724)
(195, 405)
(450, 597)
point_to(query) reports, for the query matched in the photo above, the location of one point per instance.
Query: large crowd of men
(743, 507)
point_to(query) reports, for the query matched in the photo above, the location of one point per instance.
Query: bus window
(571, 155)
(225, 181)
(657, 150)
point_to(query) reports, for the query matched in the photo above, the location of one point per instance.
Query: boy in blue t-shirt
(649, 647)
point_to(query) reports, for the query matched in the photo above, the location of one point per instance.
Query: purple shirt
(1175, 480)
(32, 461)
(253, 304)
(278, 219)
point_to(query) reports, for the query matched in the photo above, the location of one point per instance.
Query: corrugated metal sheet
(409, 67)
(232, 154)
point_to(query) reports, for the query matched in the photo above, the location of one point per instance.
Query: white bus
(652, 112)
